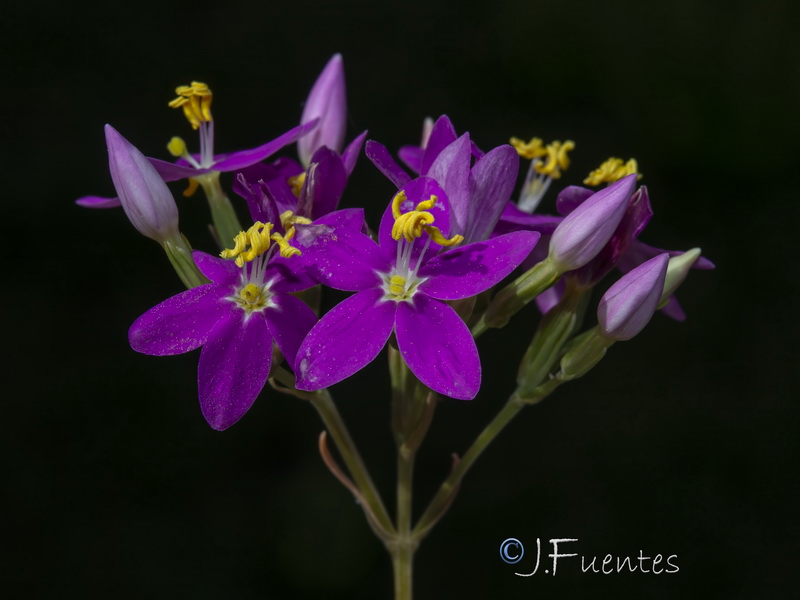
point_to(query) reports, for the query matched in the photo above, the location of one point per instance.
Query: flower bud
(328, 102)
(629, 304)
(145, 197)
(677, 270)
(584, 232)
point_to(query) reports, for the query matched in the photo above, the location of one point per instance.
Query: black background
(683, 441)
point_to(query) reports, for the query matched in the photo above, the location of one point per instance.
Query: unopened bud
(630, 303)
(584, 232)
(145, 197)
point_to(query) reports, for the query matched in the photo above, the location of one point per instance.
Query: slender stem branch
(323, 403)
(444, 497)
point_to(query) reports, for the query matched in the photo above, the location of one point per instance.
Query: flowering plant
(427, 283)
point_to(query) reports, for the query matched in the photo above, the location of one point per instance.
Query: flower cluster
(424, 282)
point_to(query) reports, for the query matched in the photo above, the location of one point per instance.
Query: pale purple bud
(328, 102)
(584, 232)
(145, 197)
(630, 303)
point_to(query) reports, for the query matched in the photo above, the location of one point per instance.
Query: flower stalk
(179, 253)
(321, 400)
(226, 225)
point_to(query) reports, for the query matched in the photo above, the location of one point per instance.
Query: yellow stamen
(296, 183)
(193, 185)
(195, 99)
(410, 225)
(529, 150)
(285, 249)
(437, 237)
(557, 159)
(612, 170)
(288, 220)
(257, 238)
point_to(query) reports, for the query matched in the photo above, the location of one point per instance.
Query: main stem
(402, 548)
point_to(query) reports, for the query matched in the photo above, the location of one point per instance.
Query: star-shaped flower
(235, 318)
(403, 285)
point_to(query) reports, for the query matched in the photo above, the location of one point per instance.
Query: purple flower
(477, 191)
(402, 286)
(235, 318)
(145, 197)
(195, 100)
(630, 303)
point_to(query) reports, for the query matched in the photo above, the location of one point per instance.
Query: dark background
(683, 441)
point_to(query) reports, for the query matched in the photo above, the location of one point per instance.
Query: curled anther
(286, 250)
(530, 150)
(410, 225)
(557, 159)
(257, 239)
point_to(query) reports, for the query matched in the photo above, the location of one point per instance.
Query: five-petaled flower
(235, 318)
(402, 286)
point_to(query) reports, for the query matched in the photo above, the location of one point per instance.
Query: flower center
(253, 298)
(399, 288)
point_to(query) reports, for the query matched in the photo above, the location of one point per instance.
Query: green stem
(516, 295)
(444, 497)
(402, 565)
(403, 547)
(226, 223)
(323, 403)
(179, 253)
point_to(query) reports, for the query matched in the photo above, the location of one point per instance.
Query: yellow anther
(397, 285)
(557, 159)
(195, 99)
(177, 147)
(250, 293)
(437, 237)
(192, 188)
(612, 170)
(397, 201)
(410, 225)
(296, 183)
(530, 150)
(257, 238)
(288, 220)
(285, 249)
